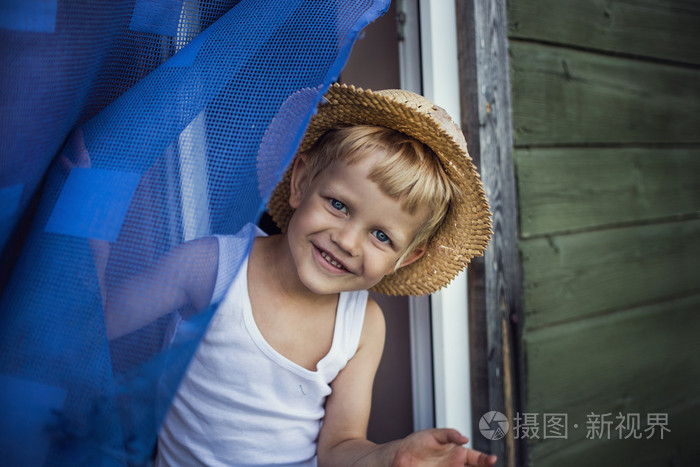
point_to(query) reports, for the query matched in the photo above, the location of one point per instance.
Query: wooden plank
(563, 189)
(680, 447)
(637, 361)
(633, 360)
(572, 276)
(483, 62)
(661, 29)
(562, 96)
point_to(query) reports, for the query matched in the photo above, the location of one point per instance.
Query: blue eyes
(340, 206)
(381, 236)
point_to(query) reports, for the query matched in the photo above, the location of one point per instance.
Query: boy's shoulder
(233, 247)
(232, 250)
(374, 326)
(373, 310)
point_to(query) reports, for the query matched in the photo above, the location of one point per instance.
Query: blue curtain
(126, 129)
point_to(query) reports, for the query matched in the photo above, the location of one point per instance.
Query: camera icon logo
(493, 425)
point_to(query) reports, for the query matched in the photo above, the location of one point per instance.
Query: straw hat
(466, 229)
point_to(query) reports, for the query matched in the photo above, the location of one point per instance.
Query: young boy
(381, 196)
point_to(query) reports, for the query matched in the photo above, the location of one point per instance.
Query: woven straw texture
(466, 230)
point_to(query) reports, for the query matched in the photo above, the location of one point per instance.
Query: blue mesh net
(129, 128)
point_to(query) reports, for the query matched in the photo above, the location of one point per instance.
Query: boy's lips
(331, 263)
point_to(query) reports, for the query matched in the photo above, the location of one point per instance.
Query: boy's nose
(348, 239)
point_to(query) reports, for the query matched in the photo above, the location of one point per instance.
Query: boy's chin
(329, 289)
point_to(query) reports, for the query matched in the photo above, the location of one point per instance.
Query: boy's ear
(299, 180)
(413, 256)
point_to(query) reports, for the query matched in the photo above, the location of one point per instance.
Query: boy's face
(346, 234)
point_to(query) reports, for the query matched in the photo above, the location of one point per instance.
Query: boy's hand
(439, 447)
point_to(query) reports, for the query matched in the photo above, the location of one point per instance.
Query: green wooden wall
(606, 122)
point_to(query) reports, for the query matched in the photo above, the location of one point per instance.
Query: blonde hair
(409, 171)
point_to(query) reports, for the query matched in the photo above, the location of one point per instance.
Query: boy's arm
(184, 276)
(343, 437)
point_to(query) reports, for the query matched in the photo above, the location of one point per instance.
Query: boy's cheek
(391, 269)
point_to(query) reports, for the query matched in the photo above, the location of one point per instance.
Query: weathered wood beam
(495, 282)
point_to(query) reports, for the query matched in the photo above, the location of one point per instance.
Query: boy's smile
(331, 263)
(346, 233)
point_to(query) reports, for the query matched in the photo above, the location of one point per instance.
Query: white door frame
(439, 323)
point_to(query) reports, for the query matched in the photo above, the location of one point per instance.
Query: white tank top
(243, 403)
